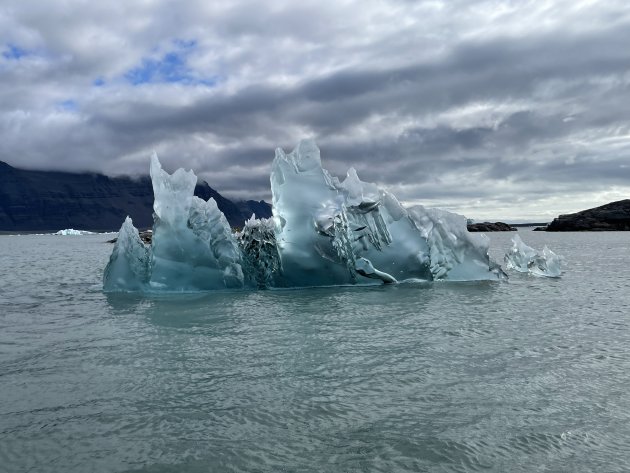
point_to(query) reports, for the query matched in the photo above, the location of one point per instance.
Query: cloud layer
(495, 109)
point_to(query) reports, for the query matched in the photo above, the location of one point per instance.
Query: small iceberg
(525, 259)
(72, 231)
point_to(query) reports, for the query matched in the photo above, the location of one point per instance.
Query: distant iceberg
(323, 232)
(525, 259)
(72, 231)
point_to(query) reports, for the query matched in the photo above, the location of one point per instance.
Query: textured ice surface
(362, 232)
(323, 232)
(128, 267)
(72, 231)
(547, 264)
(193, 247)
(454, 252)
(261, 261)
(525, 259)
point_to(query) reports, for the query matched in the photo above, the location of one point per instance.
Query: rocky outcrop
(490, 227)
(47, 201)
(614, 216)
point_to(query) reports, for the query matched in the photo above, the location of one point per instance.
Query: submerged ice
(525, 259)
(323, 232)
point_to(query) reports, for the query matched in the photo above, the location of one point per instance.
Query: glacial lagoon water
(528, 375)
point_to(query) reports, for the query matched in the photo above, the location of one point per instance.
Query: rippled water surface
(529, 375)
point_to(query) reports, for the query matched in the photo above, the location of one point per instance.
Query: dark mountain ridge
(53, 200)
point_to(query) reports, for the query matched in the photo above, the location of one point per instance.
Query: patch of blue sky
(171, 67)
(13, 52)
(98, 82)
(68, 105)
(185, 43)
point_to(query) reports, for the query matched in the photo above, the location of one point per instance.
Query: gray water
(529, 375)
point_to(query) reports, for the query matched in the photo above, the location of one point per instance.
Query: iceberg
(72, 231)
(525, 259)
(323, 232)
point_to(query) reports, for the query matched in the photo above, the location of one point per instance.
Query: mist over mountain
(51, 200)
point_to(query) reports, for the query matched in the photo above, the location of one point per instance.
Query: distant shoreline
(542, 224)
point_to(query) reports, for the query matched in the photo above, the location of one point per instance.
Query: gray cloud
(493, 109)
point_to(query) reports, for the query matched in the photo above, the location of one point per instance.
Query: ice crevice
(323, 232)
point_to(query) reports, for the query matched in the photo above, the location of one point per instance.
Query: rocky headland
(614, 216)
(491, 227)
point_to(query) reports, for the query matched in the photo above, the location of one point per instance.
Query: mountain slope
(47, 201)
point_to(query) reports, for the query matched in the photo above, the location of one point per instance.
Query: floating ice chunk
(520, 256)
(128, 267)
(72, 231)
(454, 253)
(548, 264)
(525, 259)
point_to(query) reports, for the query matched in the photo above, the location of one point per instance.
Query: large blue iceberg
(323, 232)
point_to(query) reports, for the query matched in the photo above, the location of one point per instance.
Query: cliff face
(47, 201)
(609, 217)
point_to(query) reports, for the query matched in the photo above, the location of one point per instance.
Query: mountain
(51, 200)
(609, 217)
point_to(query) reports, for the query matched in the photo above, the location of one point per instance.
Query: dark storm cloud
(450, 102)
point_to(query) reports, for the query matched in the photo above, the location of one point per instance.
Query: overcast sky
(494, 109)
